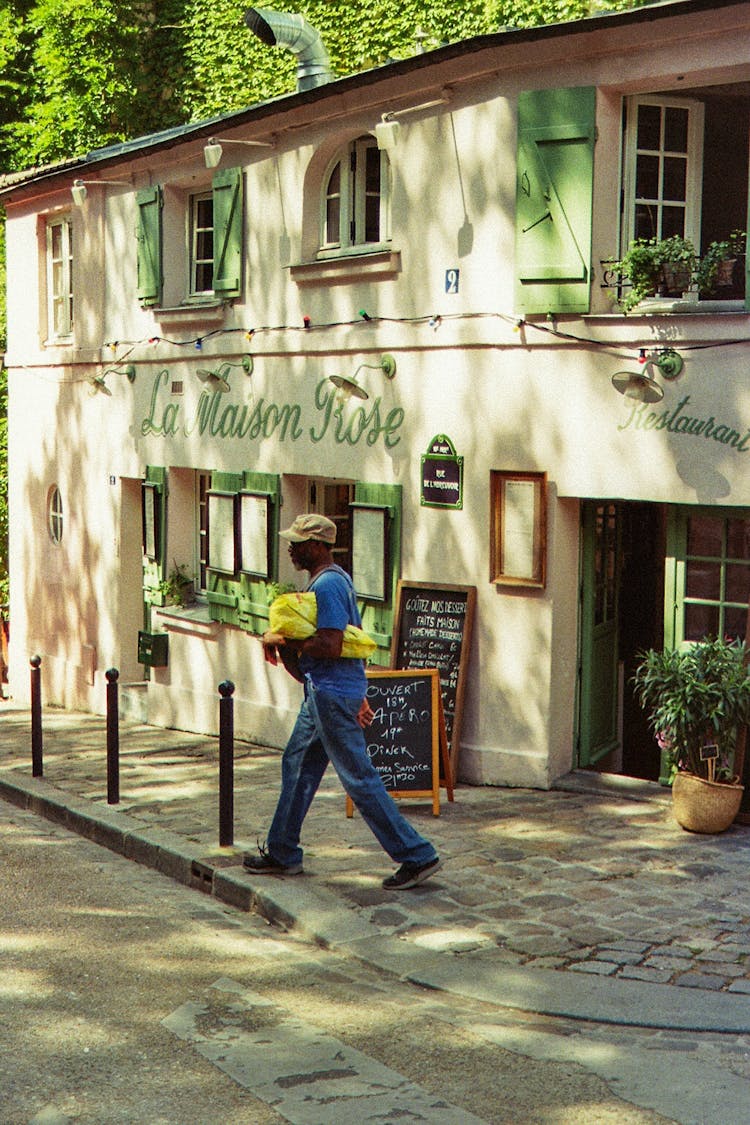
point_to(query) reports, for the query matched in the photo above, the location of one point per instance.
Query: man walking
(329, 726)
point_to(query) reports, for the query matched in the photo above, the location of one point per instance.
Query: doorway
(623, 548)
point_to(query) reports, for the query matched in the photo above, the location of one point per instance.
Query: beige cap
(311, 526)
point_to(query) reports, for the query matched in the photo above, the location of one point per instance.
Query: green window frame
(554, 199)
(707, 574)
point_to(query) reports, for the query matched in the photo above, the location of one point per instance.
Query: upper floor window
(356, 196)
(60, 278)
(210, 256)
(663, 168)
(201, 219)
(685, 173)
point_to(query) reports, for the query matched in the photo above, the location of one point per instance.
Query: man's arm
(325, 644)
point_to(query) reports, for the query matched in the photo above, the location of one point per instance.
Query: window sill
(193, 619)
(355, 266)
(211, 312)
(674, 306)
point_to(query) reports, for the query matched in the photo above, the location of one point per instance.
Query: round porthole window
(54, 514)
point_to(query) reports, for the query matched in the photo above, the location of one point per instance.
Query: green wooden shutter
(227, 195)
(222, 592)
(377, 617)
(556, 133)
(253, 607)
(149, 234)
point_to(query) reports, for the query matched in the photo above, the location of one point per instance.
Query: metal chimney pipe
(288, 29)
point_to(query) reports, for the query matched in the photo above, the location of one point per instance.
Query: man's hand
(365, 715)
(271, 642)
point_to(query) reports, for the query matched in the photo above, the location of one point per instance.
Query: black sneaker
(264, 864)
(411, 875)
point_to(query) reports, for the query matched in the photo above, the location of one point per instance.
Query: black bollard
(37, 764)
(113, 738)
(226, 764)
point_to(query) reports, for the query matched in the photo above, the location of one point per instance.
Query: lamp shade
(387, 134)
(212, 153)
(636, 385)
(79, 191)
(349, 386)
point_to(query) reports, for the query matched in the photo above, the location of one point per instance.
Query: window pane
(738, 582)
(372, 218)
(735, 623)
(701, 621)
(333, 220)
(645, 221)
(649, 126)
(738, 539)
(204, 277)
(204, 245)
(675, 129)
(703, 580)
(672, 221)
(647, 177)
(705, 535)
(675, 177)
(372, 169)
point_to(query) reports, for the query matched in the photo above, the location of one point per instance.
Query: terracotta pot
(704, 806)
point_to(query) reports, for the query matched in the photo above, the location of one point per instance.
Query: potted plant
(716, 269)
(178, 587)
(697, 698)
(656, 266)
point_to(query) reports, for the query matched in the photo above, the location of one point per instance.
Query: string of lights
(519, 325)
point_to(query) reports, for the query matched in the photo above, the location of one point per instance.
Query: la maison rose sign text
(216, 416)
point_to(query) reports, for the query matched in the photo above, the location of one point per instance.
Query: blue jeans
(326, 731)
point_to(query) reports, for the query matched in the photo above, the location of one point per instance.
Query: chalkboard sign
(403, 740)
(433, 630)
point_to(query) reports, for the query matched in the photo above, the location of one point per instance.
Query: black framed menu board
(433, 629)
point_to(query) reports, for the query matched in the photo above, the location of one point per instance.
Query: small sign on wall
(442, 475)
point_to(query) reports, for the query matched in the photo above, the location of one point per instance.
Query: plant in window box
(178, 588)
(276, 589)
(697, 700)
(717, 268)
(654, 267)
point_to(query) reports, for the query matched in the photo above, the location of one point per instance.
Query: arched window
(54, 514)
(356, 197)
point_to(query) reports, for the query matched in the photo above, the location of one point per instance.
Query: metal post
(37, 764)
(113, 738)
(226, 764)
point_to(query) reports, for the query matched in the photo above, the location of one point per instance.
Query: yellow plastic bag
(296, 616)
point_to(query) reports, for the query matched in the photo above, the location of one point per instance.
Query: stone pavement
(587, 902)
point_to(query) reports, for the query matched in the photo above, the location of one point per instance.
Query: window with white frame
(59, 278)
(663, 168)
(685, 172)
(201, 239)
(356, 198)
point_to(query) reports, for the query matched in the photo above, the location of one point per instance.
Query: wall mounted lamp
(98, 384)
(212, 150)
(643, 387)
(79, 191)
(218, 380)
(348, 386)
(388, 129)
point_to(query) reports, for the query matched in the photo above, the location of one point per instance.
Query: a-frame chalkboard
(433, 630)
(405, 740)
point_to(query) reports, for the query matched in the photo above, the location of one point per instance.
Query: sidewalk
(592, 905)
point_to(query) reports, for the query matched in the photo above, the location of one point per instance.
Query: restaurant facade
(393, 298)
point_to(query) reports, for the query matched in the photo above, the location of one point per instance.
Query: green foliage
(644, 263)
(694, 696)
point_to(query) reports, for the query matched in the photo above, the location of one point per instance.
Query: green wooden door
(597, 719)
